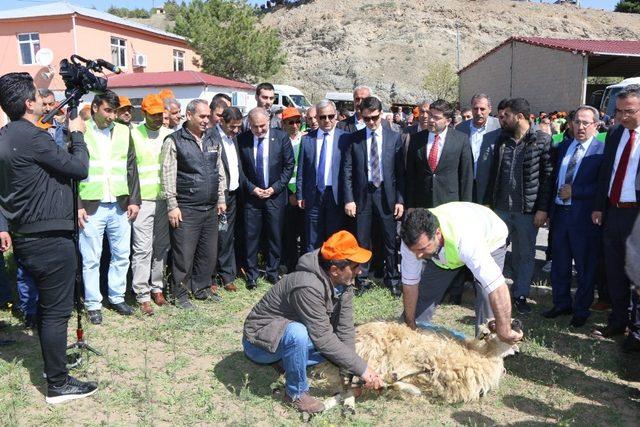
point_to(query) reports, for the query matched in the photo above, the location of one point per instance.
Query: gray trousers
(522, 234)
(435, 281)
(150, 248)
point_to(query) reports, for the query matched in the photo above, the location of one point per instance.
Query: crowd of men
(189, 202)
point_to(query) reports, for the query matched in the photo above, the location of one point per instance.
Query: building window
(178, 60)
(119, 52)
(29, 46)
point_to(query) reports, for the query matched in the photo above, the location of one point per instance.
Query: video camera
(78, 76)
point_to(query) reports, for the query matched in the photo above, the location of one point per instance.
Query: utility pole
(457, 47)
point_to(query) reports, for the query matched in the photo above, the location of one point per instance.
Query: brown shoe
(230, 287)
(305, 403)
(146, 308)
(158, 298)
(601, 306)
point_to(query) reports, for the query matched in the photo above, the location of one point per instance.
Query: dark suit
(575, 236)
(452, 181)
(370, 201)
(324, 213)
(348, 125)
(270, 211)
(617, 226)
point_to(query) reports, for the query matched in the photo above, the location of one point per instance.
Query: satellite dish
(44, 57)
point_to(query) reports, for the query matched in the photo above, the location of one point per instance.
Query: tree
(123, 12)
(628, 6)
(226, 35)
(441, 81)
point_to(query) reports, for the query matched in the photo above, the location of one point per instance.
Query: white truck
(608, 103)
(289, 96)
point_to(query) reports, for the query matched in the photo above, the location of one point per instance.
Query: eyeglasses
(371, 118)
(627, 112)
(327, 117)
(219, 115)
(582, 123)
(293, 122)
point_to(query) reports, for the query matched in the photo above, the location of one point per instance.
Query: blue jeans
(27, 291)
(109, 218)
(5, 287)
(522, 234)
(296, 352)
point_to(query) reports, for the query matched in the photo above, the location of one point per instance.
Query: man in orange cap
(151, 228)
(124, 111)
(307, 317)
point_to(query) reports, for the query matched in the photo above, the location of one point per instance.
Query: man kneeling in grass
(307, 317)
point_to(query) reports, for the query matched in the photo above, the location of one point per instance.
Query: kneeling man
(449, 237)
(307, 317)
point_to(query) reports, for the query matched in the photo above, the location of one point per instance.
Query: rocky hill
(336, 44)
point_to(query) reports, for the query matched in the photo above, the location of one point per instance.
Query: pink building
(66, 29)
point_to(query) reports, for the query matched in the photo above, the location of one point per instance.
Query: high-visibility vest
(450, 216)
(149, 161)
(295, 144)
(115, 167)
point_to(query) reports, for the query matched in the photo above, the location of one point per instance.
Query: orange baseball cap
(290, 112)
(152, 104)
(124, 102)
(416, 112)
(343, 245)
(166, 93)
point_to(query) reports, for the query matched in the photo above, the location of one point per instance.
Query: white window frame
(31, 42)
(178, 55)
(121, 45)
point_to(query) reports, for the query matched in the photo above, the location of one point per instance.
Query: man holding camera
(36, 198)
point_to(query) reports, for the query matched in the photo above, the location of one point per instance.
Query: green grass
(185, 368)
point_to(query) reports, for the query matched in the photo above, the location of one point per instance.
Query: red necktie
(621, 171)
(433, 154)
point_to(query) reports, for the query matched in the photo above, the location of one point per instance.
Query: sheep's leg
(349, 403)
(333, 401)
(405, 388)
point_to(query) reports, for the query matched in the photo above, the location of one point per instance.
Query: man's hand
(397, 212)
(260, 193)
(222, 208)
(509, 336)
(132, 212)
(77, 125)
(596, 217)
(82, 218)
(565, 192)
(175, 217)
(411, 323)
(301, 204)
(350, 209)
(269, 192)
(292, 200)
(372, 379)
(539, 219)
(5, 241)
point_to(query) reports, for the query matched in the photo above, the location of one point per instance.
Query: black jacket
(35, 178)
(537, 171)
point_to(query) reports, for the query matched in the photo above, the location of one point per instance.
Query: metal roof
(173, 78)
(65, 8)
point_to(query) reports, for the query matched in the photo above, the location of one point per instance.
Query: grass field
(187, 368)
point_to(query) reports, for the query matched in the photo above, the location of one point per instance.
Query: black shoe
(184, 303)
(578, 321)
(522, 306)
(251, 284)
(554, 312)
(363, 285)
(30, 321)
(395, 290)
(207, 294)
(73, 389)
(123, 309)
(273, 280)
(630, 345)
(6, 342)
(608, 332)
(95, 317)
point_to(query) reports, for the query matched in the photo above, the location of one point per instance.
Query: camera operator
(36, 198)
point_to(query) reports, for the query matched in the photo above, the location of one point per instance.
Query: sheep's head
(489, 344)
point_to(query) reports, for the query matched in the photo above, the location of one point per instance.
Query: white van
(608, 103)
(341, 99)
(289, 96)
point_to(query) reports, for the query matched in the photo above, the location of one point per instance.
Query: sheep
(419, 361)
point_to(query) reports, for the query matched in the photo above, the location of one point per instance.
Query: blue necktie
(376, 179)
(321, 164)
(260, 163)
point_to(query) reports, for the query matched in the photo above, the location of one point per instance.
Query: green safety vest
(296, 152)
(449, 216)
(115, 167)
(149, 161)
(601, 136)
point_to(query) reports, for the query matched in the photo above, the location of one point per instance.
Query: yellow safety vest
(149, 161)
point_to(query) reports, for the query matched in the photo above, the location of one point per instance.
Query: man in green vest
(151, 228)
(109, 201)
(436, 244)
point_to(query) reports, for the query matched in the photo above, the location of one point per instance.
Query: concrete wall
(549, 79)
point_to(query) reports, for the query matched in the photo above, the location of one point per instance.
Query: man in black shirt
(36, 198)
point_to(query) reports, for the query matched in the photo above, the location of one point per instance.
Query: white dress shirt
(233, 163)
(265, 157)
(378, 133)
(328, 171)
(360, 124)
(628, 194)
(432, 138)
(562, 173)
(476, 136)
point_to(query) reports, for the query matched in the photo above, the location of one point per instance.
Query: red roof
(587, 46)
(173, 78)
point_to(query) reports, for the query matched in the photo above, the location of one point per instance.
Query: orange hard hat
(290, 112)
(166, 93)
(152, 104)
(124, 102)
(416, 112)
(343, 245)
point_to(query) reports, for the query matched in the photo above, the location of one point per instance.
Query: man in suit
(373, 186)
(317, 179)
(617, 202)
(355, 122)
(265, 96)
(439, 162)
(575, 237)
(225, 133)
(482, 131)
(267, 161)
